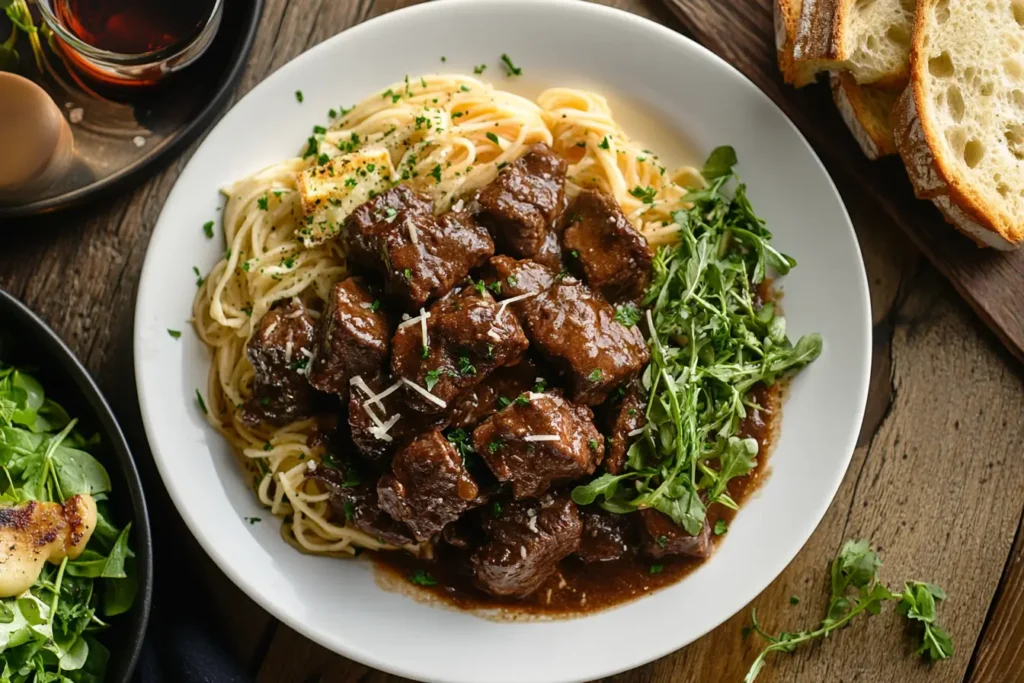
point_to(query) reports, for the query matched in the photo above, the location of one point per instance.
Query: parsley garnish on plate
(856, 590)
(208, 229)
(175, 334)
(513, 70)
(299, 96)
(422, 578)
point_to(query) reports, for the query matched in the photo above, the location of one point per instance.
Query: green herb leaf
(299, 96)
(719, 163)
(513, 70)
(208, 229)
(627, 314)
(422, 578)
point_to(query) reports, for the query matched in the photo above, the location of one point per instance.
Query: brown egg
(35, 138)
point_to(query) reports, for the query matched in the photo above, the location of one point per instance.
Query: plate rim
(149, 164)
(860, 391)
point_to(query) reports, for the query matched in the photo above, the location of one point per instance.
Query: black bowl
(34, 345)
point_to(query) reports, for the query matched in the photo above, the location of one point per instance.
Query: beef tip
(660, 536)
(606, 536)
(428, 486)
(354, 503)
(467, 339)
(352, 338)
(627, 415)
(508, 278)
(421, 257)
(537, 441)
(525, 543)
(614, 257)
(495, 392)
(279, 351)
(522, 207)
(577, 331)
(375, 441)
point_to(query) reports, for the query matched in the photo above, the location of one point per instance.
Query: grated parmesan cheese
(413, 237)
(635, 432)
(384, 394)
(522, 551)
(506, 302)
(458, 206)
(426, 394)
(541, 437)
(288, 349)
(407, 321)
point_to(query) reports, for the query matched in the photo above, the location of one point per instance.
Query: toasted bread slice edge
(787, 17)
(871, 128)
(931, 176)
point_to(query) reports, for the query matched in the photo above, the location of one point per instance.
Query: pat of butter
(331, 191)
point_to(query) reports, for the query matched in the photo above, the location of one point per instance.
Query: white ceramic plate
(700, 100)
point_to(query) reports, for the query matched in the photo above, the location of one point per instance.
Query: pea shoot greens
(857, 590)
(712, 341)
(48, 633)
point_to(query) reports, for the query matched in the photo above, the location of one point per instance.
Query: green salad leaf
(48, 633)
(713, 340)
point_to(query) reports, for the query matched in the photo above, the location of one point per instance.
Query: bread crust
(872, 131)
(930, 173)
(820, 40)
(787, 18)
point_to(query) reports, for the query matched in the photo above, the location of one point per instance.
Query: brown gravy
(580, 588)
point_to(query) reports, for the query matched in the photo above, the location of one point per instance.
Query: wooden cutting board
(742, 32)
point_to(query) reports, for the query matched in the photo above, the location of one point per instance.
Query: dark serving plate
(36, 346)
(119, 139)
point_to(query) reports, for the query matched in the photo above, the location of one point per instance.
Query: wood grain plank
(999, 656)
(742, 32)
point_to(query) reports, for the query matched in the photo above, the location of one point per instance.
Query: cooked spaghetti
(446, 136)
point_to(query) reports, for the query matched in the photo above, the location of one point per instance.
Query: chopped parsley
(662, 541)
(721, 526)
(480, 69)
(436, 173)
(494, 446)
(512, 280)
(431, 378)
(407, 274)
(443, 59)
(645, 194)
(627, 314)
(495, 286)
(199, 276)
(604, 143)
(513, 70)
(540, 386)
(322, 159)
(592, 444)
(208, 229)
(657, 568)
(332, 113)
(175, 334)
(493, 138)
(794, 600)
(522, 400)
(504, 402)
(202, 403)
(319, 130)
(465, 367)
(253, 520)
(299, 96)
(496, 510)
(595, 375)
(375, 305)
(262, 203)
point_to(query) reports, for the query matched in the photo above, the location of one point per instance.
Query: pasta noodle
(446, 136)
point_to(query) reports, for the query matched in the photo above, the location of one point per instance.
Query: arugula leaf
(855, 590)
(719, 163)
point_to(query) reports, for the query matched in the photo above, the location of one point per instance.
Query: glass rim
(120, 58)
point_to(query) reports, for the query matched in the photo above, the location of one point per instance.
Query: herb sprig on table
(857, 590)
(712, 342)
(48, 632)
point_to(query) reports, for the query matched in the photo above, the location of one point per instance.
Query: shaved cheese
(534, 395)
(423, 328)
(493, 334)
(532, 524)
(522, 551)
(360, 384)
(270, 329)
(426, 394)
(288, 348)
(407, 321)
(311, 465)
(366, 304)
(384, 394)
(413, 237)
(542, 437)
(458, 206)
(636, 432)
(381, 432)
(506, 302)
(306, 352)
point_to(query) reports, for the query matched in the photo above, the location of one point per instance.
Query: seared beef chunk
(526, 541)
(508, 278)
(375, 441)
(523, 205)
(577, 331)
(279, 351)
(420, 256)
(615, 258)
(466, 341)
(355, 503)
(627, 415)
(660, 536)
(495, 392)
(352, 338)
(606, 536)
(428, 486)
(539, 440)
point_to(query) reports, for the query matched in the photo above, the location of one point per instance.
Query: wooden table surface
(936, 481)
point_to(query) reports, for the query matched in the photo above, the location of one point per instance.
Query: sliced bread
(866, 111)
(868, 38)
(787, 18)
(960, 124)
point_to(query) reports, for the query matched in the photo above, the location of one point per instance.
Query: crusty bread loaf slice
(960, 124)
(787, 19)
(868, 38)
(866, 111)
